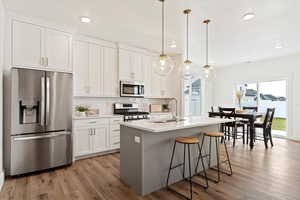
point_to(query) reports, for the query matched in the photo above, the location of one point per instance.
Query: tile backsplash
(105, 105)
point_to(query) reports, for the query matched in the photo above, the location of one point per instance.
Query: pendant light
(187, 64)
(164, 65)
(208, 70)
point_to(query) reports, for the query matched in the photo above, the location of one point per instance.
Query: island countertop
(188, 122)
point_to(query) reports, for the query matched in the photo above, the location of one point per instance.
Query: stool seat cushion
(214, 134)
(187, 140)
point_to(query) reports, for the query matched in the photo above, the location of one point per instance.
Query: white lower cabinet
(83, 141)
(100, 138)
(96, 136)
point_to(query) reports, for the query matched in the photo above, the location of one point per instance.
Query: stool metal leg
(203, 166)
(228, 158)
(190, 171)
(171, 164)
(218, 158)
(209, 152)
(183, 172)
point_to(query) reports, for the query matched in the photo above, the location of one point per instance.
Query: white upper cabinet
(125, 66)
(110, 72)
(58, 47)
(147, 68)
(81, 68)
(95, 70)
(137, 68)
(27, 45)
(130, 65)
(38, 47)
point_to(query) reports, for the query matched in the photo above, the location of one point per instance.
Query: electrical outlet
(137, 139)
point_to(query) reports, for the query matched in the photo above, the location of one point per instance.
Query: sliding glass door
(264, 95)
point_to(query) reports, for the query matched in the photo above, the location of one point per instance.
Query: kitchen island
(146, 147)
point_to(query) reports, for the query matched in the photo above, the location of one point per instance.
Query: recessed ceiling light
(85, 19)
(248, 16)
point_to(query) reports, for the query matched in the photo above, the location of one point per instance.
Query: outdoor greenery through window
(271, 94)
(192, 97)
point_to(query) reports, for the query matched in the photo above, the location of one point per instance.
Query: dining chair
(246, 122)
(250, 108)
(266, 126)
(229, 113)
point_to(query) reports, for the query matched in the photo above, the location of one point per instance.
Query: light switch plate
(137, 139)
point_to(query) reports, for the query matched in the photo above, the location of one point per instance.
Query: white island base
(146, 149)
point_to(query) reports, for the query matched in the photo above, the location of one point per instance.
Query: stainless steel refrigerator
(39, 125)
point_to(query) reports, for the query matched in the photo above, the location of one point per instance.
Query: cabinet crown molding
(94, 40)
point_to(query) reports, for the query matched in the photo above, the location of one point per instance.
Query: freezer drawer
(40, 151)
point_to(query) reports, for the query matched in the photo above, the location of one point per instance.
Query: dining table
(244, 115)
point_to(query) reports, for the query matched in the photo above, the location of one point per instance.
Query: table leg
(252, 133)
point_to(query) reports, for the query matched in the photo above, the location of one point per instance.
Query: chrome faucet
(176, 107)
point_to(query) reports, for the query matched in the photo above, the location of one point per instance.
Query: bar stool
(217, 135)
(187, 141)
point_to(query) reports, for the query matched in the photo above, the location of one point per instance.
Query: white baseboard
(1, 179)
(295, 138)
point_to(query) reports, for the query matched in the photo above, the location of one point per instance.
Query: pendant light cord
(207, 43)
(163, 27)
(187, 36)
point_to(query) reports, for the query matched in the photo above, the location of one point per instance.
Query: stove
(130, 111)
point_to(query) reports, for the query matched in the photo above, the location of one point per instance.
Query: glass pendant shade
(208, 72)
(186, 72)
(163, 66)
(187, 67)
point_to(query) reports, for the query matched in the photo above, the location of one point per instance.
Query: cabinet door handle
(47, 62)
(117, 130)
(94, 132)
(117, 143)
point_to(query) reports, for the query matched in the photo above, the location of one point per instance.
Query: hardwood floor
(272, 174)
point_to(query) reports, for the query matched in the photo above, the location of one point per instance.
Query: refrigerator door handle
(42, 120)
(47, 100)
(23, 138)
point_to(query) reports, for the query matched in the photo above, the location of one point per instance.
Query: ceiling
(138, 22)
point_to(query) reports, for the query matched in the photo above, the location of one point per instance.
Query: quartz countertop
(97, 116)
(188, 122)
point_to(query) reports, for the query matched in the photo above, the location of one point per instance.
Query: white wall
(1, 91)
(287, 67)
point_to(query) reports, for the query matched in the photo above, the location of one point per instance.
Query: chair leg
(234, 135)
(243, 134)
(270, 136)
(190, 172)
(247, 134)
(171, 162)
(265, 138)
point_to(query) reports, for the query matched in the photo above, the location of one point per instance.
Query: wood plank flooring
(272, 174)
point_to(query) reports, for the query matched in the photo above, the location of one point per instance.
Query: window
(264, 95)
(192, 97)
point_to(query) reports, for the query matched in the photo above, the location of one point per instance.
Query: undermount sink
(168, 121)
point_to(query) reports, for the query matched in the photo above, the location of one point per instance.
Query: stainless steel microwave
(132, 89)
